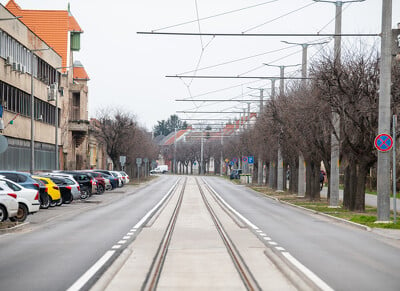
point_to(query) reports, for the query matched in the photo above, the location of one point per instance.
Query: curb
(14, 228)
(361, 226)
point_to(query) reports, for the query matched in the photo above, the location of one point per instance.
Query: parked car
(65, 189)
(8, 203)
(71, 182)
(52, 190)
(101, 181)
(235, 174)
(44, 198)
(24, 179)
(125, 177)
(28, 199)
(119, 177)
(85, 182)
(107, 174)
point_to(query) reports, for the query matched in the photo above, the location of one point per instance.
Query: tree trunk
(359, 199)
(349, 199)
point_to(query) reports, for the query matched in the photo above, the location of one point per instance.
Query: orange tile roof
(52, 26)
(80, 74)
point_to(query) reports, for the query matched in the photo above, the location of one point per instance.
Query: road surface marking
(89, 273)
(272, 243)
(121, 242)
(126, 237)
(267, 238)
(321, 284)
(280, 248)
(114, 247)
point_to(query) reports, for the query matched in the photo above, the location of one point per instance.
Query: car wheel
(59, 202)
(52, 203)
(22, 213)
(84, 194)
(100, 189)
(69, 200)
(3, 213)
(45, 202)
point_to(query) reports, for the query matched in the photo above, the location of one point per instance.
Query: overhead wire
(216, 15)
(277, 18)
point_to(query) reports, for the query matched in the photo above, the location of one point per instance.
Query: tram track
(156, 268)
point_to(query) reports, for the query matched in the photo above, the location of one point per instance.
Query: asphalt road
(61, 244)
(344, 257)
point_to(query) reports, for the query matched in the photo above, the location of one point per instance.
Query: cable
(238, 60)
(279, 17)
(213, 16)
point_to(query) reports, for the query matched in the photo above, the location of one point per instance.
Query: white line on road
(280, 248)
(114, 247)
(267, 238)
(321, 284)
(148, 214)
(89, 273)
(121, 242)
(272, 243)
(129, 233)
(126, 237)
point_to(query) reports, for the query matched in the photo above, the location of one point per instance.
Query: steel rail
(244, 272)
(154, 273)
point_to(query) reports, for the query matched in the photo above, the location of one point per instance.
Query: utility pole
(335, 136)
(201, 153)
(175, 151)
(302, 166)
(260, 161)
(271, 168)
(279, 186)
(383, 176)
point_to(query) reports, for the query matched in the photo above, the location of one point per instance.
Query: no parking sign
(383, 142)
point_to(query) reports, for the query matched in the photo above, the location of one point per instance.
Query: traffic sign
(234, 160)
(383, 142)
(231, 163)
(122, 160)
(244, 159)
(138, 161)
(250, 159)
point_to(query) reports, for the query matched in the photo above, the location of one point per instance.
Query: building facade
(60, 30)
(28, 67)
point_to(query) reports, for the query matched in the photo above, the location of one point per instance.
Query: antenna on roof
(69, 8)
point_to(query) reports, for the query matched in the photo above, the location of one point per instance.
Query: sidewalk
(370, 200)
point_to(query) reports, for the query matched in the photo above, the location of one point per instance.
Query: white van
(160, 170)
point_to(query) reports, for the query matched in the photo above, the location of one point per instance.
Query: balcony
(79, 125)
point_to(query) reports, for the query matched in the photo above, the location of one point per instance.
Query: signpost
(146, 161)
(383, 142)
(122, 160)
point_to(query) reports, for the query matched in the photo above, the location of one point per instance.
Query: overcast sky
(128, 70)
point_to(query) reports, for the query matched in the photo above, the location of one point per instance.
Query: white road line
(121, 242)
(263, 234)
(258, 230)
(129, 233)
(126, 237)
(133, 229)
(321, 284)
(267, 238)
(144, 218)
(89, 273)
(231, 209)
(114, 247)
(272, 243)
(280, 248)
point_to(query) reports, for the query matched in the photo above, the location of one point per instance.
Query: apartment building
(60, 30)
(27, 63)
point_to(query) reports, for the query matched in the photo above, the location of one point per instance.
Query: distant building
(60, 30)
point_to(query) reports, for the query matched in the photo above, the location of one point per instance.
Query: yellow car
(52, 190)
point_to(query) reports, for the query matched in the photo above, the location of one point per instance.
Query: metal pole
(383, 176)
(175, 152)
(201, 154)
(279, 186)
(335, 136)
(56, 123)
(32, 165)
(222, 154)
(394, 169)
(260, 162)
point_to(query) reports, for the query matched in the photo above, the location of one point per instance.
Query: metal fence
(19, 159)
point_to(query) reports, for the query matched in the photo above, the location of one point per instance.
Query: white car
(28, 199)
(8, 203)
(125, 177)
(119, 177)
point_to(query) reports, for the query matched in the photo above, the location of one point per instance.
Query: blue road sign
(250, 159)
(383, 142)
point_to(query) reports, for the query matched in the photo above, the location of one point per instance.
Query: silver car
(8, 203)
(75, 188)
